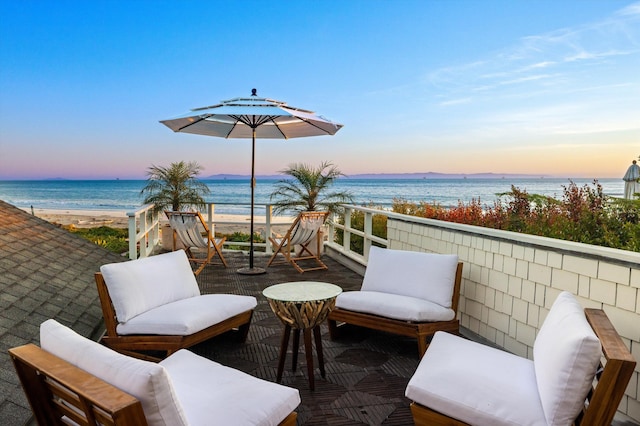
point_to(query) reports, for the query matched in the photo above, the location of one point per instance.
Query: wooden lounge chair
(73, 380)
(303, 232)
(460, 382)
(403, 292)
(154, 304)
(190, 229)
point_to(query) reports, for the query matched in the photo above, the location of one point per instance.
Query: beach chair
(71, 380)
(296, 245)
(460, 382)
(191, 230)
(403, 292)
(154, 304)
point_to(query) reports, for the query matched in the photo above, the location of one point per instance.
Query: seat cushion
(566, 354)
(143, 284)
(213, 394)
(426, 276)
(476, 384)
(394, 306)
(188, 316)
(147, 381)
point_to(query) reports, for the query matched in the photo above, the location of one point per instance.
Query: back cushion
(140, 285)
(426, 276)
(145, 380)
(566, 354)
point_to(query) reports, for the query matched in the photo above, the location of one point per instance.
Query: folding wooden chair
(304, 230)
(192, 231)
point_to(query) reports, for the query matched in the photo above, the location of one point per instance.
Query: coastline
(224, 223)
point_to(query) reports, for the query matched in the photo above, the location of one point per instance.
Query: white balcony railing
(144, 226)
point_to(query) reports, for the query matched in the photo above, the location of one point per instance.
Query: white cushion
(188, 316)
(213, 394)
(476, 384)
(139, 285)
(566, 354)
(394, 306)
(427, 276)
(146, 381)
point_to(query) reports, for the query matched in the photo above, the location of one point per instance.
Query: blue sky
(549, 87)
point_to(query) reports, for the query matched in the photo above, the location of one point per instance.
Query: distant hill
(424, 175)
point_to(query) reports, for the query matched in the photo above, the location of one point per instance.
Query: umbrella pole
(251, 270)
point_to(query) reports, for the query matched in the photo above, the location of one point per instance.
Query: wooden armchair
(578, 375)
(73, 379)
(408, 293)
(304, 231)
(154, 304)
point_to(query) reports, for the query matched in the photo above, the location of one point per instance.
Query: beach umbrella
(252, 118)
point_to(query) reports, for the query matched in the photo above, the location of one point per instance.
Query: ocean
(232, 196)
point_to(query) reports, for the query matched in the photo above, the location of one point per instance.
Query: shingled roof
(45, 272)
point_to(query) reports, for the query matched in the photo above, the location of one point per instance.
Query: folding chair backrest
(306, 227)
(188, 227)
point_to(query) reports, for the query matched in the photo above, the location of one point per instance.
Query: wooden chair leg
(333, 329)
(243, 331)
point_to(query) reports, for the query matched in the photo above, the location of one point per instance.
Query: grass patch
(113, 239)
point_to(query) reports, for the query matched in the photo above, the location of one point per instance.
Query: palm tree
(175, 186)
(309, 190)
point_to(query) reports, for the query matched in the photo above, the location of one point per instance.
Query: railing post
(368, 232)
(210, 212)
(332, 230)
(133, 253)
(346, 235)
(268, 214)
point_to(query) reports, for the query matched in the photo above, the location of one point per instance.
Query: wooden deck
(366, 371)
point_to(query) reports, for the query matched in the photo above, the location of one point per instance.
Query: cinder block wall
(510, 281)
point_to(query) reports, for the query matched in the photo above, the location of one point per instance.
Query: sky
(545, 87)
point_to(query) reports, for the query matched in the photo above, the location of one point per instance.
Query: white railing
(144, 231)
(348, 231)
(144, 226)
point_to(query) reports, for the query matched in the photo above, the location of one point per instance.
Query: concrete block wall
(510, 281)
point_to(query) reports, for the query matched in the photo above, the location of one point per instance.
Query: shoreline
(224, 223)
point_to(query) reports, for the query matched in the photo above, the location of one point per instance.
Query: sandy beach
(224, 223)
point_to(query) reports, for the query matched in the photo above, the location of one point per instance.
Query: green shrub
(584, 215)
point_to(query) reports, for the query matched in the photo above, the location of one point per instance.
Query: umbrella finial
(254, 92)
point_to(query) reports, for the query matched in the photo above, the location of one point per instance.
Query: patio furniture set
(579, 372)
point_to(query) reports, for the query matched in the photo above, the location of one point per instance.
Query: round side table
(302, 305)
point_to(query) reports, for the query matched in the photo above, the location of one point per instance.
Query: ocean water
(233, 196)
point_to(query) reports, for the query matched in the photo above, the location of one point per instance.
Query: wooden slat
(48, 380)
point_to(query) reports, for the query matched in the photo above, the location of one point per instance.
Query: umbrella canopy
(251, 118)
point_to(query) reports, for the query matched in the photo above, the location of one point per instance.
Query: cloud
(558, 52)
(455, 102)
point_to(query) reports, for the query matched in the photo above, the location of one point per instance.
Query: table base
(307, 349)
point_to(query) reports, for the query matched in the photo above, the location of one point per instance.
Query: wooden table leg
(316, 334)
(284, 343)
(309, 353)
(294, 348)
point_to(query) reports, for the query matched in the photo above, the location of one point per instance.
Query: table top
(301, 291)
